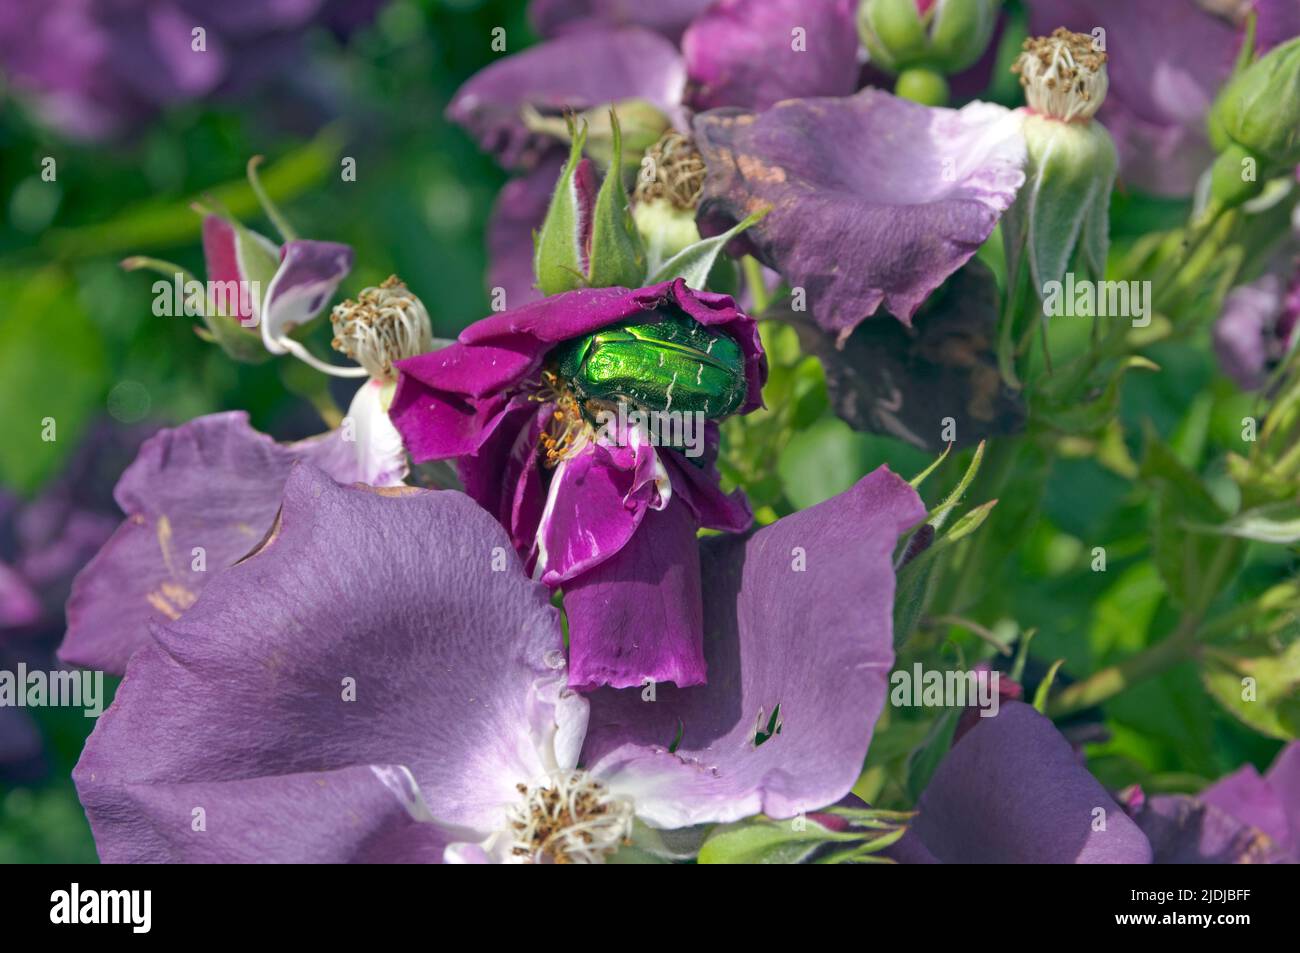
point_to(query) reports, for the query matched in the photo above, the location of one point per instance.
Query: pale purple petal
(747, 53)
(576, 71)
(799, 615)
(244, 702)
(1270, 803)
(200, 495)
(897, 197)
(1013, 791)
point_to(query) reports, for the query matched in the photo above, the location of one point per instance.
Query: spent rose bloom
(606, 516)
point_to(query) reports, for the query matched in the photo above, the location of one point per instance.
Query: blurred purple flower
(750, 53)
(1166, 62)
(319, 710)
(1013, 791)
(895, 199)
(614, 521)
(1257, 328)
(1242, 818)
(552, 18)
(96, 69)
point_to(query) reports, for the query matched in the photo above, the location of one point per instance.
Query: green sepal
(557, 257)
(617, 257)
(693, 263)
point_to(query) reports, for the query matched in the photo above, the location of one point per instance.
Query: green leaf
(617, 256)
(694, 262)
(1181, 554)
(53, 374)
(557, 259)
(1258, 684)
(829, 456)
(760, 840)
(1044, 689)
(1270, 523)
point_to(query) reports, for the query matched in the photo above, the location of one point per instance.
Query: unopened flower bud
(383, 325)
(940, 35)
(1255, 123)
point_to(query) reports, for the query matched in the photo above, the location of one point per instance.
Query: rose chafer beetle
(667, 361)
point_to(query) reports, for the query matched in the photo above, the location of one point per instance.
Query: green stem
(754, 281)
(1108, 682)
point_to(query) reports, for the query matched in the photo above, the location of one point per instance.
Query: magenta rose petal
(637, 616)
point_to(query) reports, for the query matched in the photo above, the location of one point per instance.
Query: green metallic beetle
(673, 363)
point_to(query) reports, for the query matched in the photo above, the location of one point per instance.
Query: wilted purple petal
(799, 616)
(577, 72)
(751, 53)
(890, 379)
(1166, 62)
(669, 17)
(369, 640)
(1013, 791)
(197, 499)
(896, 198)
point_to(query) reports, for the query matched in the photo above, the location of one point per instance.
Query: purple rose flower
(609, 518)
(1166, 62)
(95, 69)
(1257, 328)
(311, 708)
(901, 197)
(1013, 791)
